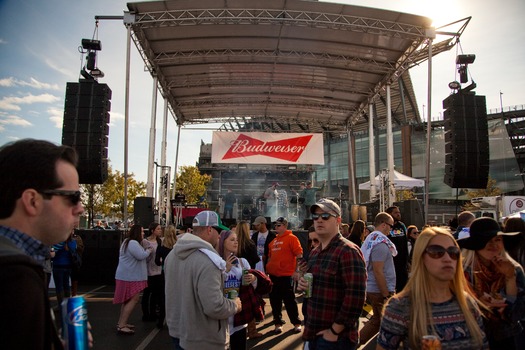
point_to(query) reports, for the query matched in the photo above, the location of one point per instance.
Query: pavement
(103, 316)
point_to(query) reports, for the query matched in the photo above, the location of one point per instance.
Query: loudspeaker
(100, 257)
(85, 128)
(143, 215)
(466, 141)
(411, 212)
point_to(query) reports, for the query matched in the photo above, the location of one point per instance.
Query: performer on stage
(271, 200)
(309, 196)
(229, 201)
(282, 203)
(298, 201)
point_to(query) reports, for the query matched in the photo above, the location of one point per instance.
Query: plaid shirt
(339, 288)
(27, 244)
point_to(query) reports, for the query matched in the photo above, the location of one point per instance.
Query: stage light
(91, 60)
(465, 59)
(89, 44)
(463, 75)
(454, 85)
(97, 73)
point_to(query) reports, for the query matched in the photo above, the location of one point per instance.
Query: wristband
(334, 332)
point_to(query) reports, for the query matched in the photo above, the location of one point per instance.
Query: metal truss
(324, 59)
(281, 17)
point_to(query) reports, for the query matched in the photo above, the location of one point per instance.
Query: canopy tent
(400, 181)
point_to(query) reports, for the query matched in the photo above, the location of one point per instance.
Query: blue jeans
(320, 343)
(61, 276)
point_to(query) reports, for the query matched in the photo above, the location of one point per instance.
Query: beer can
(244, 281)
(310, 279)
(75, 323)
(430, 342)
(233, 293)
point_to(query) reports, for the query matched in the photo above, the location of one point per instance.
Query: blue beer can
(75, 323)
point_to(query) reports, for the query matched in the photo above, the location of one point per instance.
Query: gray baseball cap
(326, 205)
(259, 220)
(209, 218)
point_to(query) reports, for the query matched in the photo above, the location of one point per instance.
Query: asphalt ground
(103, 316)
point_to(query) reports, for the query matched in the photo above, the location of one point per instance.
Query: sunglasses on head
(324, 216)
(72, 196)
(437, 252)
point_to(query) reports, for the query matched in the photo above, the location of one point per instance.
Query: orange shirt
(282, 253)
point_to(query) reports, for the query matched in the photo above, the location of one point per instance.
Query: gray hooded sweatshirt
(196, 309)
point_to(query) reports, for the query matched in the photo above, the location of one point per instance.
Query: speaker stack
(143, 211)
(85, 128)
(466, 141)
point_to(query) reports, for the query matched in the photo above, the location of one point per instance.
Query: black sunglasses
(437, 252)
(324, 216)
(391, 226)
(72, 196)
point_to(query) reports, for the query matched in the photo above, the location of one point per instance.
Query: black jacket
(25, 320)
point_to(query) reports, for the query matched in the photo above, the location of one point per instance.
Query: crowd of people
(463, 286)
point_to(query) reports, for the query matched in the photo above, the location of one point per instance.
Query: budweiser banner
(267, 148)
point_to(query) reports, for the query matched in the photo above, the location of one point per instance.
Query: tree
(193, 183)
(491, 190)
(107, 199)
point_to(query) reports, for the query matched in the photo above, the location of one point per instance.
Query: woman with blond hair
(436, 300)
(169, 240)
(247, 248)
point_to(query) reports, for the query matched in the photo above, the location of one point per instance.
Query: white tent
(401, 182)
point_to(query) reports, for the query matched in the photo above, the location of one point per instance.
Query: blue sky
(39, 43)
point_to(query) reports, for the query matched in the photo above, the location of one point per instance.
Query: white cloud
(10, 82)
(13, 120)
(12, 103)
(56, 116)
(2, 41)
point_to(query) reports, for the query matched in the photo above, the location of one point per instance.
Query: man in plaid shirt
(339, 284)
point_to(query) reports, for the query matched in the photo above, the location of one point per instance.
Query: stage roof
(281, 65)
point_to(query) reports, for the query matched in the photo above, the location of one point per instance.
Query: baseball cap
(276, 184)
(371, 228)
(259, 220)
(209, 218)
(281, 220)
(326, 205)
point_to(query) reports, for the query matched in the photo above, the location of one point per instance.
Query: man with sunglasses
(283, 253)
(379, 252)
(339, 283)
(40, 207)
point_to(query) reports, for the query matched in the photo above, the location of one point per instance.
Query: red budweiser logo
(287, 149)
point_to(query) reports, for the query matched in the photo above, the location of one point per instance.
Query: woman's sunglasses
(437, 252)
(324, 216)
